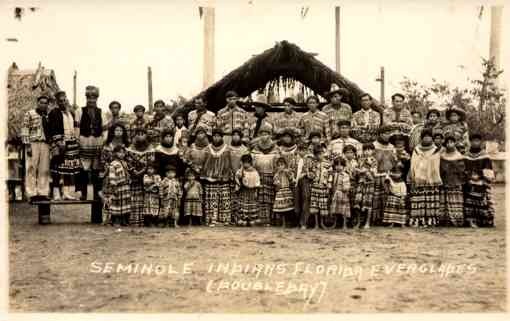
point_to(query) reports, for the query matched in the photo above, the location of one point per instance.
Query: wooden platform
(44, 209)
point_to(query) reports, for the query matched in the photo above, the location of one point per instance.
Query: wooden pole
(495, 36)
(209, 24)
(74, 89)
(337, 38)
(382, 84)
(149, 84)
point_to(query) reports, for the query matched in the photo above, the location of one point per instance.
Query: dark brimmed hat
(458, 111)
(384, 129)
(475, 136)
(200, 128)
(231, 93)
(290, 100)
(399, 136)
(343, 122)
(426, 132)
(434, 111)
(239, 131)
(43, 97)
(437, 132)
(290, 131)
(138, 107)
(337, 89)
(170, 167)
(60, 93)
(167, 131)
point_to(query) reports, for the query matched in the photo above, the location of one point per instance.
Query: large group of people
(324, 169)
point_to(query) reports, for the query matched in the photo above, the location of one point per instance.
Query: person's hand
(28, 148)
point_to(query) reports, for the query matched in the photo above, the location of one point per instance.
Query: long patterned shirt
(317, 121)
(230, 118)
(336, 146)
(207, 120)
(318, 170)
(386, 157)
(286, 120)
(156, 127)
(117, 179)
(365, 125)
(32, 128)
(390, 115)
(335, 114)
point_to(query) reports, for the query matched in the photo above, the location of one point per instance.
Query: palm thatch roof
(282, 65)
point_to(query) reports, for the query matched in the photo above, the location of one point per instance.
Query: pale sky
(111, 45)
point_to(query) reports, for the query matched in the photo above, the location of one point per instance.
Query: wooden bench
(44, 207)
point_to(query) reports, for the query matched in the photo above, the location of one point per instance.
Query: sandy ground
(62, 268)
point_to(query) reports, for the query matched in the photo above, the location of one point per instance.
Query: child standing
(170, 196)
(339, 183)
(180, 130)
(364, 197)
(116, 192)
(192, 197)
(395, 209)
(284, 197)
(247, 185)
(317, 168)
(151, 185)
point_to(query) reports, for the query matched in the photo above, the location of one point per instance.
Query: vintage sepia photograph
(255, 156)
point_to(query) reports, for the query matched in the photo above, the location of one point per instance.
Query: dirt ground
(63, 267)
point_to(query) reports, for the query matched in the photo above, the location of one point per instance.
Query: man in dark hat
(200, 116)
(336, 146)
(160, 122)
(232, 116)
(289, 118)
(336, 109)
(260, 117)
(34, 135)
(456, 125)
(91, 124)
(397, 113)
(366, 121)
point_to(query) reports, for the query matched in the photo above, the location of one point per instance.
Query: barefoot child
(339, 184)
(192, 197)
(318, 169)
(284, 198)
(116, 190)
(248, 185)
(364, 197)
(170, 196)
(351, 166)
(151, 185)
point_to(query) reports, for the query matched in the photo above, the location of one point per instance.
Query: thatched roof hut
(283, 65)
(23, 88)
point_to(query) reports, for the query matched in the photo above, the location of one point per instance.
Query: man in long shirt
(200, 116)
(159, 123)
(34, 134)
(397, 114)
(315, 120)
(232, 116)
(288, 119)
(366, 121)
(336, 109)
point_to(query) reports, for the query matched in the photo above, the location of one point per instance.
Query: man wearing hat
(336, 146)
(289, 118)
(34, 135)
(397, 113)
(232, 116)
(336, 109)
(366, 122)
(260, 117)
(200, 116)
(138, 123)
(160, 122)
(91, 124)
(456, 126)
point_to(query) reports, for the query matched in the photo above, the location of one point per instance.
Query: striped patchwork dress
(425, 180)
(395, 206)
(365, 184)
(216, 175)
(284, 197)
(340, 199)
(193, 199)
(90, 144)
(235, 158)
(478, 204)
(318, 170)
(116, 187)
(170, 196)
(61, 129)
(137, 163)
(151, 187)
(453, 175)
(386, 160)
(264, 161)
(248, 184)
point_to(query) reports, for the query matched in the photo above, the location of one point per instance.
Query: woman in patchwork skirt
(193, 198)
(453, 175)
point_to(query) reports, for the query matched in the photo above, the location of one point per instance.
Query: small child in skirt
(284, 197)
(395, 207)
(151, 185)
(351, 167)
(248, 185)
(116, 193)
(170, 198)
(318, 169)
(192, 197)
(364, 197)
(339, 184)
